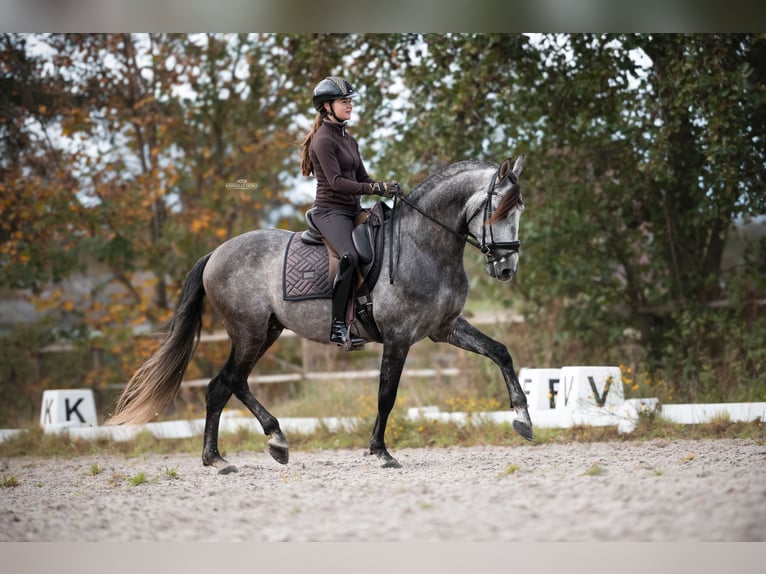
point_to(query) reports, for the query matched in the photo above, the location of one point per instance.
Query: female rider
(330, 153)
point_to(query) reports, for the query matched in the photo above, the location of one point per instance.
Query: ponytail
(307, 168)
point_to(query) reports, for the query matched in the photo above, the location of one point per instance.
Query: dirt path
(655, 491)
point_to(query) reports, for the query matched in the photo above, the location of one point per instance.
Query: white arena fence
(557, 397)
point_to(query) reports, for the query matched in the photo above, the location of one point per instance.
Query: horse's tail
(154, 386)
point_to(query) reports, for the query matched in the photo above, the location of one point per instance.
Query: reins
(400, 198)
(467, 237)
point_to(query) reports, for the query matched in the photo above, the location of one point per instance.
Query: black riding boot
(341, 292)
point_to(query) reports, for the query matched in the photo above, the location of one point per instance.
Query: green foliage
(714, 353)
(637, 167)
(34, 441)
(21, 391)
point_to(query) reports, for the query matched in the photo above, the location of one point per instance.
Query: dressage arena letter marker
(68, 408)
(541, 387)
(590, 387)
(600, 399)
(567, 391)
(553, 390)
(47, 418)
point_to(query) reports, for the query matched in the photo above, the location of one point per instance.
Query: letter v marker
(600, 399)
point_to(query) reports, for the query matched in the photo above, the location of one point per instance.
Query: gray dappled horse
(468, 202)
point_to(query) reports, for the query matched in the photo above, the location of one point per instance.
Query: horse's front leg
(465, 336)
(391, 367)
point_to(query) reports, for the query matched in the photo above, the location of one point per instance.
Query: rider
(332, 155)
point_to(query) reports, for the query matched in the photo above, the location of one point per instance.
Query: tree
(135, 155)
(651, 165)
(35, 206)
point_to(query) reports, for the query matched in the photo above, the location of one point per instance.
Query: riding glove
(386, 188)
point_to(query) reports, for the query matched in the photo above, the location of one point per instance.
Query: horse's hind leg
(278, 446)
(464, 335)
(218, 394)
(232, 379)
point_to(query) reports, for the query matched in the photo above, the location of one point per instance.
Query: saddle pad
(306, 271)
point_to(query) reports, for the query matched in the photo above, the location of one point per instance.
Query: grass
(138, 479)
(401, 433)
(34, 442)
(9, 482)
(172, 473)
(511, 469)
(594, 470)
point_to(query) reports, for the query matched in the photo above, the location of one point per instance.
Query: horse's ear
(519, 165)
(502, 171)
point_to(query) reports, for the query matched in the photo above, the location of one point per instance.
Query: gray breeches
(336, 227)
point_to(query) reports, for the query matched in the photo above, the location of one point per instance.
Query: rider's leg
(336, 227)
(342, 288)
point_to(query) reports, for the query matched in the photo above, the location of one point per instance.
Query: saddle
(310, 263)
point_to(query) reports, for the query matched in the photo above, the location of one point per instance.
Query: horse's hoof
(392, 463)
(388, 460)
(228, 469)
(523, 424)
(524, 429)
(279, 449)
(221, 464)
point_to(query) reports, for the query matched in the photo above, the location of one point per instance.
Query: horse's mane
(508, 203)
(510, 200)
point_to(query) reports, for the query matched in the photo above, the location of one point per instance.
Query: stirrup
(341, 336)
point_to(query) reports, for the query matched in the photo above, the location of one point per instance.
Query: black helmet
(331, 88)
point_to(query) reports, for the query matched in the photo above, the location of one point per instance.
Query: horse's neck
(448, 205)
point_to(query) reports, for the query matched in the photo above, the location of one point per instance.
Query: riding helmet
(331, 88)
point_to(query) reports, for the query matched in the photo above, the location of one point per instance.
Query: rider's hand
(386, 188)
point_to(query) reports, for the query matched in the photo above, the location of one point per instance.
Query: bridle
(489, 248)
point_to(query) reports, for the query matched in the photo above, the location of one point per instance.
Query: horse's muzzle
(503, 269)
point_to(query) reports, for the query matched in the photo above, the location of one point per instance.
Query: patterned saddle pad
(306, 271)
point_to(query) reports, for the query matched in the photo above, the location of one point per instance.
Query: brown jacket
(341, 176)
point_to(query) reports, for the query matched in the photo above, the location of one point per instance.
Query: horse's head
(498, 229)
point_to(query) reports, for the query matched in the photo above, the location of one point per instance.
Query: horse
(420, 293)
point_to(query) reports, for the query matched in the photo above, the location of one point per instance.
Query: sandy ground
(656, 491)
